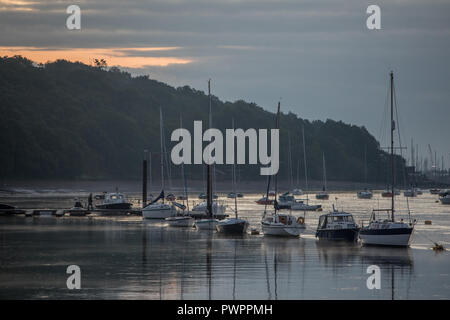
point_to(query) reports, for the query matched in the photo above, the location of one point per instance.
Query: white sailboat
(280, 224)
(155, 209)
(366, 193)
(388, 232)
(184, 219)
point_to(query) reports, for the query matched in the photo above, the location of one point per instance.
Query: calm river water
(127, 258)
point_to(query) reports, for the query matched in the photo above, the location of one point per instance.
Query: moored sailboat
(388, 231)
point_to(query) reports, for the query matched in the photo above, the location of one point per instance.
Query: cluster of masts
(332, 226)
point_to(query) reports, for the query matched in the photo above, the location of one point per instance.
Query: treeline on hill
(65, 120)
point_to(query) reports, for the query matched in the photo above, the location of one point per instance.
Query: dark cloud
(317, 55)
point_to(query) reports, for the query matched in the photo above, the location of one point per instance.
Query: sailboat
(155, 209)
(209, 223)
(366, 193)
(323, 195)
(184, 219)
(233, 225)
(300, 204)
(280, 224)
(388, 231)
(297, 191)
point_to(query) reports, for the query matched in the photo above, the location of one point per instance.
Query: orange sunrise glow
(122, 57)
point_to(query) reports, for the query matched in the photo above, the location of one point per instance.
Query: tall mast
(208, 166)
(162, 148)
(276, 175)
(324, 172)
(392, 144)
(290, 162)
(304, 160)
(365, 164)
(234, 181)
(183, 173)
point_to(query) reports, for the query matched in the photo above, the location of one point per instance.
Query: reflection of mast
(234, 271)
(267, 275)
(392, 283)
(275, 273)
(209, 262)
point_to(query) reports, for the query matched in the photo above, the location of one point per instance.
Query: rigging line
(382, 132)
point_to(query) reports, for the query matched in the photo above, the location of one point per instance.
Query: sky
(317, 56)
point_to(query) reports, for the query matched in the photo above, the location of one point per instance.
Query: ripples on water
(126, 258)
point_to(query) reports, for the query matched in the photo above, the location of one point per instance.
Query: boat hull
(115, 206)
(158, 213)
(185, 221)
(282, 230)
(350, 235)
(233, 227)
(400, 237)
(206, 224)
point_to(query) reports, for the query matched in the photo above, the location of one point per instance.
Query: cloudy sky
(318, 56)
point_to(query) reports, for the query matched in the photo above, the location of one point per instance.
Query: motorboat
(365, 194)
(231, 195)
(285, 201)
(264, 201)
(77, 210)
(445, 199)
(337, 226)
(170, 197)
(435, 191)
(297, 192)
(115, 201)
(283, 225)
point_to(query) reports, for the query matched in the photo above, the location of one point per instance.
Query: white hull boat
(158, 211)
(206, 224)
(180, 221)
(283, 225)
(364, 195)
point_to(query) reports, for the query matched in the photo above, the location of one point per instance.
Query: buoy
(438, 247)
(427, 221)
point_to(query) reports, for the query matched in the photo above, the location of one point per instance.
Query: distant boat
(297, 192)
(435, 191)
(445, 199)
(170, 197)
(410, 192)
(264, 201)
(365, 194)
(114, 201)
(388, 232)
(6, 209)
(183, 219)
(323, 195)
(77, 210)
(337, 226)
